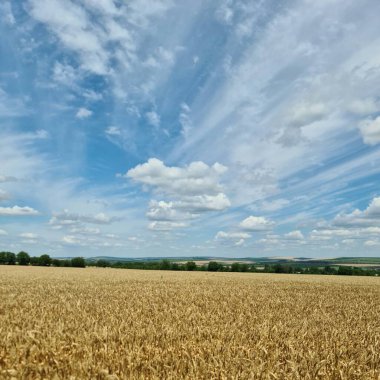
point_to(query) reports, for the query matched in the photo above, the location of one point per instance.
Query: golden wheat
(66, 323)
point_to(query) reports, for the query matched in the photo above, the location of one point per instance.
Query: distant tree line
(23, 258)
(214, 266)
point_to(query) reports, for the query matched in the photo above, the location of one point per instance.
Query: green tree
(65, 263)
(175, 266)
(104, 263)
(7, 258)
(23, 258)
(235, 267)
(345, 271)
(56, 262)
(34, 260)
(3, 258)
(78, 262)
(44, 260)
(244, 267)
(213, 266)
(11, 258)
(190, 266)
(165, 265)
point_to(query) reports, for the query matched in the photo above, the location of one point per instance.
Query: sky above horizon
(162, 128)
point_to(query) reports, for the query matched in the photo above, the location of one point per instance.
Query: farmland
(63, 323)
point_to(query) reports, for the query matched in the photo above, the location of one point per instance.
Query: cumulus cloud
(203, 203)
(372, 243)
(370, 131)
(349, 228)
(83, 113)
(330, 233)
(193, 189)
(70, 219)
(194, 179)
(369, 217)
(294, 235)
(18, 211)
(256, 223)
(70, 239)
(221, 235)
(165, 211)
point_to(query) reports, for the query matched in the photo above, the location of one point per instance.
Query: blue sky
(166, 128)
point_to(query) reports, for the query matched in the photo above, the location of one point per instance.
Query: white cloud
(232, 239)
(29, 235)
(203, 203)
(6, 13)
(103, 6)
(4, 179)
(113, 131)
(363, 106)
(348, 241)
(194, 189)
(3, 195)
(92, 95)
(370, 131)
(68, 219)
(225, 13)
(306, 113)
(221, 235)
(153, 118)
(194, 179)
(240, 243)
(270, 240)
(187, 208)
(294, 235)
(65, 74)
(85, 231)
(270, 206)
(370, 217)
(70, 239)
(71, 23)
(41, 134)
(83, 113)
(18, 211)
(372, 243)
(165, 225)
(184, 119)
(165, 211)
(256, 223)
(3, 233)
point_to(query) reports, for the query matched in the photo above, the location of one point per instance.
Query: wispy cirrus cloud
(18, 211)
(284, 95)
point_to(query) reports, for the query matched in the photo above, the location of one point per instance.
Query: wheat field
(67, 323)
